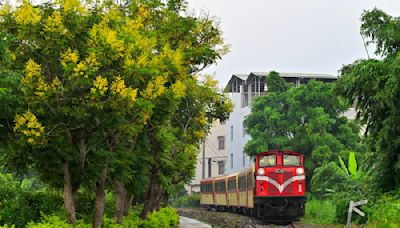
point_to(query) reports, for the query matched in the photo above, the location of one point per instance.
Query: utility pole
(204, 159)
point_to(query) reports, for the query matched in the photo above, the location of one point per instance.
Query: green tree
(374, 86)
(307, 119)
(101, 84)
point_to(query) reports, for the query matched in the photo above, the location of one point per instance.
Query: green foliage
(328, 179)
(320, 212)
(165, 218)
(187, 201)
(16, 195)
(276, 83)
(109, 93)
(352, 167)
(374, 86)
(307, 119)
(342, 201)
(343, 166)
(383, 211)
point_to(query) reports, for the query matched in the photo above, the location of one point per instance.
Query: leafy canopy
(374, 86)
(307, 119)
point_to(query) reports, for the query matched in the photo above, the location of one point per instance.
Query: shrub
(342, 206)
(384, 211)
(320, 212)
(18, 196)
(187, 201)
(166, 217)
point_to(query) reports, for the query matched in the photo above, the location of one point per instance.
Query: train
(272, 190)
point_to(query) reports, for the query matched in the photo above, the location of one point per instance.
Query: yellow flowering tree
(102, 83)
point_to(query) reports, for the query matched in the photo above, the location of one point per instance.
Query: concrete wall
(235, 145)
(213, 152)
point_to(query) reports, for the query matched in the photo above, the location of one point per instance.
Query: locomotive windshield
(291, 160)
(267, 160)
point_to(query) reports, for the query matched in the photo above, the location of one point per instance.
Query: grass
(319, 212)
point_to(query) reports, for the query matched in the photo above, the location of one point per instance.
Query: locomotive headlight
(299, 171)
(260, 172)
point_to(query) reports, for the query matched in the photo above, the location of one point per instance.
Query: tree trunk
(121, 201)
(69, 203)
(128, 203)
(100, 195)
(153, 195)
(149, 199)
(165, 198)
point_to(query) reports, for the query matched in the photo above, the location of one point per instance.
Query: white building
(214, 157)
(242, 89)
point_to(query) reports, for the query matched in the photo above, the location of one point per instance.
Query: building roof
(249, 77)
(297, 75)
(241, 77)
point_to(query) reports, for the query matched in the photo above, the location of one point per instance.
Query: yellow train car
(232, 192)
(242, 188)
(250, 181)
(207, 192)
(220, 195)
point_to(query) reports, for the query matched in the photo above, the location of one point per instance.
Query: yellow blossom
(41, 88)
(113, 14)
(69, 5)
(54, 23)
(142, 60)
(146, 117)
(200, 120)
(198, 134)
(32, 70)
(102, 34)
(179, 88)
(143, 12)
(130, 94)
(155, 88)
(55, 84)
(26, 14)
(128, 62)
(91, 60)
(79, 69)
(100, 85)
(118, 86)
(112, 40)
(69, 57)
(29, 126)
(5, 9)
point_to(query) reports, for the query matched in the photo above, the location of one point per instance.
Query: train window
(206, 188)
(267, 160)
(232, 185)
(291, 160)
(249, 180)
(242, 183)
(220, 186)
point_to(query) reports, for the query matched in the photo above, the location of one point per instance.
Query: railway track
(227, 219)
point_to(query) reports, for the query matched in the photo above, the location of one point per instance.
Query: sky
(302, 36)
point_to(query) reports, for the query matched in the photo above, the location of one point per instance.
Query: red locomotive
(272, 190)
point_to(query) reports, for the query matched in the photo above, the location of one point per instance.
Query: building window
(221, 142)
(221, 167)
(244, 129)
(231, 133)
(244, 159)
(209, 167)
(231, 161)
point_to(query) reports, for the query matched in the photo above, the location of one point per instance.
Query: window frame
(267, 155)
(292, 155)
(221, 142)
